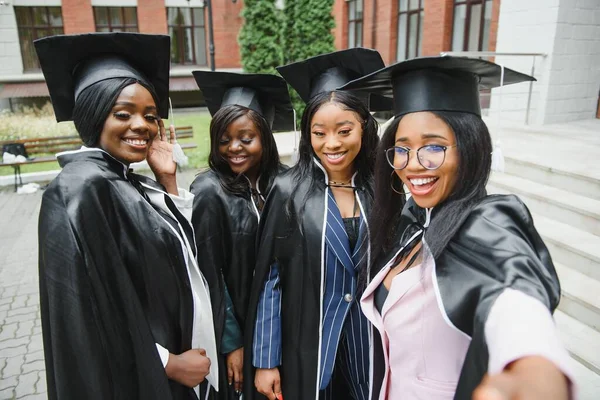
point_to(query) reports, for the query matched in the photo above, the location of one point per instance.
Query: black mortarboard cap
(71, 63)
(266, 94)
(437, 83)
(327, 72)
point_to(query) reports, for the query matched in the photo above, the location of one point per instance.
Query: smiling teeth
(419, 182)
(237, 159)
(335, 156)
(136, 142)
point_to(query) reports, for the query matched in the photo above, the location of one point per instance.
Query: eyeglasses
(431, 156)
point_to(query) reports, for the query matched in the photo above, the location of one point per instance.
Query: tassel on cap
(497, 154)
(295, 153)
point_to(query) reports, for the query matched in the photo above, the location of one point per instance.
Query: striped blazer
(341, 316)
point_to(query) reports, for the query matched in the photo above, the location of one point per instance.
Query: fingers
(230, 373)
(202, 352)
(277, 389)
(172, 134)
(161, 130)
(238, 379)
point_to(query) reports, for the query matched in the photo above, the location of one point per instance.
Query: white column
(568, 31)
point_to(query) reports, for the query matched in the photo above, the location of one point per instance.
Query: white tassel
(179, 156)
(497, 158)
(295, 153)
(497, 154)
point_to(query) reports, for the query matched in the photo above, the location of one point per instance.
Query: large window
(355, 23)
(34, 23)
(410, 29)
(472, 20)
(188, 35)
(116, 19)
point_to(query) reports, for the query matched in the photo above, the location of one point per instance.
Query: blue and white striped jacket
(341, 315)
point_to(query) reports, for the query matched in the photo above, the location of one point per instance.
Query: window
(410, 29)
(472, 20)
(35, 23)
(188, 35)
(355, 23)
(116, 19)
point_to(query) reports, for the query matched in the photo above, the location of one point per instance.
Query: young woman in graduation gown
(229, 196)
(307, 338)
(125, 311)
(462, 284)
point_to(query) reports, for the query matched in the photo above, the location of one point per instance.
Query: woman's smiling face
(336, 137)
(131, 125)
(428, 187)
(241, 146)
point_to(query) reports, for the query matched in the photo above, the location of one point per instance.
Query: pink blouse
(424, 352)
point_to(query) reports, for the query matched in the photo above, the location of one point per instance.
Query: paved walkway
(22, 373)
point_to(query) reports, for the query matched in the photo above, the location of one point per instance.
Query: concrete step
(580, 296)
(562, 205)
(582, 342)
(552, 176)
(588, 382)
(570, 246)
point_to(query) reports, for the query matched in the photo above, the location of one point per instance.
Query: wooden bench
(41, 150)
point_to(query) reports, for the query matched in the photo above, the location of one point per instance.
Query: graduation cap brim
(60, 55)
(266, 94)
(352, 63)
(436, 83)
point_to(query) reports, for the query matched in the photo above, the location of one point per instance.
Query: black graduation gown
(113, 282)
(496, 247)
(298, 252)
(225, 226)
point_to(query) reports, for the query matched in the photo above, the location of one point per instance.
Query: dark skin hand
(189, 368)
(529, 378)
(160, 158)
(235, 362)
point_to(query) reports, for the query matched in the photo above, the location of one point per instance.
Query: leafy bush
(31, 122)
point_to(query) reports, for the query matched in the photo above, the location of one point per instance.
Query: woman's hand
(189, 368)
(160, 158)
(268, 383)
(235, 362)
(529, 378)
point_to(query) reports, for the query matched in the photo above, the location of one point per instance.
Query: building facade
(23, 21)
(404, 29)
(565, 35)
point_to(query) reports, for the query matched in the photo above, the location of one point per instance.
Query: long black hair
(269, 164)
(94, 103)
(474, 146)
(364, 162)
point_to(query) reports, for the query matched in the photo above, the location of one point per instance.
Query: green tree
(307, 27)
(260, 37)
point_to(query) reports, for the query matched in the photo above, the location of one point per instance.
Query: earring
(392, 185)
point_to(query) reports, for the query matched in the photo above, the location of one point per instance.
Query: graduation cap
(437, 83)
(327, 72)
(71, 63)
(266, 94)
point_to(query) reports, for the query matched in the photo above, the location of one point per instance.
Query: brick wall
(78, 16)
(152, 16)
(227, 23)
(386, 30)
(437, 32)
(494, 25)
(340, 31)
